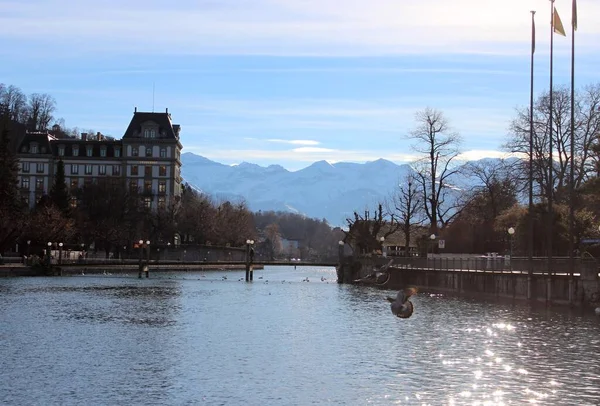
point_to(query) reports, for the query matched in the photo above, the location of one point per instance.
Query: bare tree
(16, 102)
(587, 128)
(41, 108)
(407, 204)
(439, 145)
(363, 230)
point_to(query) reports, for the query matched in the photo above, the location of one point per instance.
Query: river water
(197, 338)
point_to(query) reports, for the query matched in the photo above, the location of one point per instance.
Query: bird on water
(401, 306)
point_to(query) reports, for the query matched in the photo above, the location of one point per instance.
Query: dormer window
(90, 150)
(102, 151)
(34, 148)
(24, 148)
(117, 152)
(75, 150)
(149, 133)
(43, 150)
(61, 150)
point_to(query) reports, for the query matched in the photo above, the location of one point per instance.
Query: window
(73, 202)
(74, 169)
(25, 167)
(39, 168)
(88, 169)
(148, 186)
(153, 133)
(116, 170)
(90, 150)
(163, 152)
(39, 184)
(25, 182)
(103, 151)
(135, 151)
(162, 202)
(33, 149)
(61, 150)
(133, 186)
(162, 170)
(25, 199)
(148, 151)
(74, 184)
(147, 170)
(162, 186)
(147, 202)
(117, 152)
(146, 133)
(134, 170)
(76, 150)
(102, 169)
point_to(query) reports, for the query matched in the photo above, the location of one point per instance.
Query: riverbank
(18, 270)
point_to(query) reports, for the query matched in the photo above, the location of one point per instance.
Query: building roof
(41, 139)
(166, 129)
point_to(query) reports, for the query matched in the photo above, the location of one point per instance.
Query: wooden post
(148, 262)
(140, 264)
(247, 262)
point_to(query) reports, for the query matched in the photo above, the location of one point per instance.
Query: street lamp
(28, 246)
(383, 251)
(49, 246)
(60, 245)
(511, 232)
(432, 238)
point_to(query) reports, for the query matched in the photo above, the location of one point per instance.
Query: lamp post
(383, 250)
(60, 248)
(167, 251)
(249, 259)
(432, 238)
(148, 259)
(28, 246)
(48, 252)
(511, 232)
(140, 265)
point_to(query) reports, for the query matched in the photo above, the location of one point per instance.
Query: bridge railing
(558, 265)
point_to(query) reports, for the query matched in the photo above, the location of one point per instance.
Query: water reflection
(197, 338)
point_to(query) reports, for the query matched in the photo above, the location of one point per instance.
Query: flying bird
(401, 306)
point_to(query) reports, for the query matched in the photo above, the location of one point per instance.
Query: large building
(147, 160)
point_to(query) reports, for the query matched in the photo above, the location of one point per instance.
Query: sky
(291, 82)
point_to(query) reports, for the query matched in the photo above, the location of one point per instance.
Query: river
(197, 338)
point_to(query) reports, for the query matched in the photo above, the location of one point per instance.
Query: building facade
(146, 160)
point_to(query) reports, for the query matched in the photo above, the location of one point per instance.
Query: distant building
(147, 160)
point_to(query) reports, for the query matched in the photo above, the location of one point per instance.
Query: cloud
(285, 27)
(294, 142)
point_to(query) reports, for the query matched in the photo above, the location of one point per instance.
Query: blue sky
(291, 82)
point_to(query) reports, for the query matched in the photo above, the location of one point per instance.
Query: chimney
(84, 136)
(134, 110)
(99, 136)
(167, 110)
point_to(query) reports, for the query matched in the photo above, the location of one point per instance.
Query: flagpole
(550, 181)
(572, 168)
(530, 247)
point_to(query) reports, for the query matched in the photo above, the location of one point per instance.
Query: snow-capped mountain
(321, 190)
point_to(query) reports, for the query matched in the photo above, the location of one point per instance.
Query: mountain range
(322, 190)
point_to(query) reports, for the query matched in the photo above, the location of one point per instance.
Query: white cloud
(294, 142)
(289, 27)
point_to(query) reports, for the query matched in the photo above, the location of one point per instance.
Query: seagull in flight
(401, 306)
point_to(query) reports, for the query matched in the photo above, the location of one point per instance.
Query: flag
(574, 15)
(532, 35)
(557, 24)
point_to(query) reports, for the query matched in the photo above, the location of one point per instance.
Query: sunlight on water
(289, 338)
